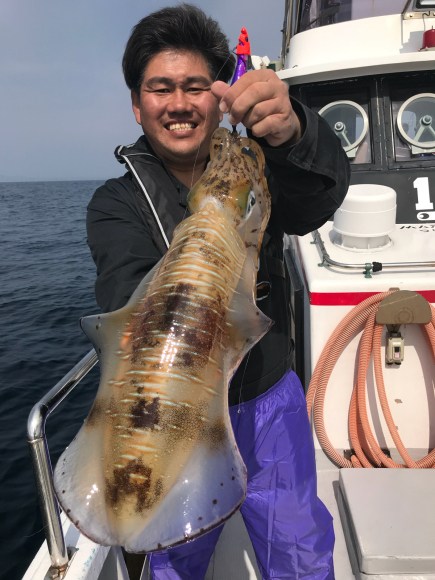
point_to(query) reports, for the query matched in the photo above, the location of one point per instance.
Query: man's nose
(180, 102)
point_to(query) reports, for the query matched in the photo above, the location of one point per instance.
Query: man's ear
(135, 103)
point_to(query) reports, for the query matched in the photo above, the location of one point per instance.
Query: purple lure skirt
(290, 528)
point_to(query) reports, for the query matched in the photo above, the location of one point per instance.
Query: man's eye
(196, 89)
(161, 91)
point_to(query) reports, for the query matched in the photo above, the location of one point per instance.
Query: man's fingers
(253, 95)
(259, 99)
(278, 129)
(267, 125)
(218, 89)
(270, 129)
(259, 112)
(246, 80)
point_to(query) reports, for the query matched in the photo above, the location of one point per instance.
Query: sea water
(47, 284)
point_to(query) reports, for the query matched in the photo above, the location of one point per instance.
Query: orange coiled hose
(367, 451)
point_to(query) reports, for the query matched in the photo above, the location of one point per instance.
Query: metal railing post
(41, 459)
(48, 504)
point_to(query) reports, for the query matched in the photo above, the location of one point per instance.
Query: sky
(64, 105)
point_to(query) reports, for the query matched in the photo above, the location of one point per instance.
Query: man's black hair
(182, 27)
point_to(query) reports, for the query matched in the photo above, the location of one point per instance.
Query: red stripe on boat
(354, 298)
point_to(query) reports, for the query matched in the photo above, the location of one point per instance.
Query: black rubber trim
(377, 267)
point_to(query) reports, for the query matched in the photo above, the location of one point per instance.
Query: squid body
(156, 463)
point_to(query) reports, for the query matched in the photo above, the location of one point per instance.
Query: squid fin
(79, 484)
(246, 323)
(79, 479)
(99, 327)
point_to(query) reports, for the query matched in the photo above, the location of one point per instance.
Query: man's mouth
(180, 126)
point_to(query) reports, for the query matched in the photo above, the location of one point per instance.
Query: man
(177, 63)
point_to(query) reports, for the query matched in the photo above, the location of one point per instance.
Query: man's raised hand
(260, 101)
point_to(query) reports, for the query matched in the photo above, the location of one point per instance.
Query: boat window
(413, 125)
(349, 121)
(316, 13)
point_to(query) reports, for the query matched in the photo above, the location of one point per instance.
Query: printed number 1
(423, 196)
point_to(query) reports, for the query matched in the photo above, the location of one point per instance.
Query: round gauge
(416, 120)
(348, 120)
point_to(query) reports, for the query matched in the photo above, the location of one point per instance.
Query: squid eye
(250, 204)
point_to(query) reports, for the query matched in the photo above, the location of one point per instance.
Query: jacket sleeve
(120, 243)
(309, 180)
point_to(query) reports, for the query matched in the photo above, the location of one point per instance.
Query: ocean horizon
(12, 179)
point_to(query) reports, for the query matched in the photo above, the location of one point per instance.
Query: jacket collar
(143, 148)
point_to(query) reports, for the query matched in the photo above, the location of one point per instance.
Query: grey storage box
(389, 520)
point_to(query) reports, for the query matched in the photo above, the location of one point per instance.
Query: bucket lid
(367, 197)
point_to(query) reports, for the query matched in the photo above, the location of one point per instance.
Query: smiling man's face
(175, 108)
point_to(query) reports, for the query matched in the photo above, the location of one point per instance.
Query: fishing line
(22, 537)
(202, 140)
(241, 382)
(185, 211)
(35, 532)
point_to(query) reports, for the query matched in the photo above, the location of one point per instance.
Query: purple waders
(290, 528)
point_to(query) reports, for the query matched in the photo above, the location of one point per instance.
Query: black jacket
(307, 182)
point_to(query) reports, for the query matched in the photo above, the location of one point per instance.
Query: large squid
(156, 463)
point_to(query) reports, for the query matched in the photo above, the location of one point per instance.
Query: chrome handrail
(367, 267)
(41, 458)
